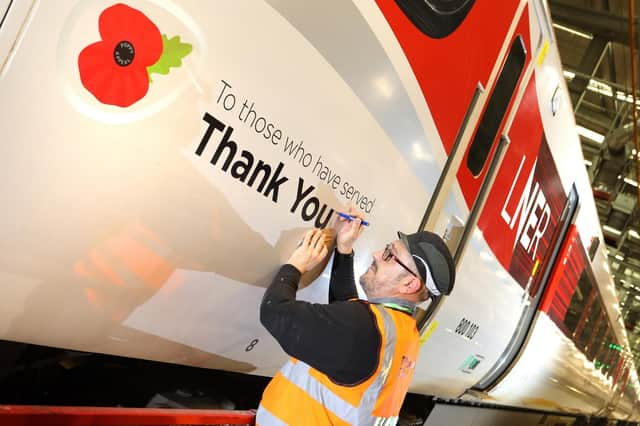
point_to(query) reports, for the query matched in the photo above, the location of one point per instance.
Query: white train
(161, 159)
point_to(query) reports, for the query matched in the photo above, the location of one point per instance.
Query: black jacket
(340, 339)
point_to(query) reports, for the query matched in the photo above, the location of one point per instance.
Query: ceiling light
(633, 233)
(590, 134)
(588, 163)
(597, 87)
(631, 182)
(573, 31)
(621, 96)
(569, 75)
(611, 230)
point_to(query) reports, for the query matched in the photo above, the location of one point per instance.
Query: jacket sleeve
(340, 339)
(342, 285)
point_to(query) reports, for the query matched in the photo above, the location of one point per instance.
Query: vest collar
(396, 303)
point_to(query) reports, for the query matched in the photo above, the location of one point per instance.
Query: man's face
(383, 276)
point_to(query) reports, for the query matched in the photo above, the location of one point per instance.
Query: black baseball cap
(433, 260)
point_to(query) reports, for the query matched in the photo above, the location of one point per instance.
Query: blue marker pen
(349, 217)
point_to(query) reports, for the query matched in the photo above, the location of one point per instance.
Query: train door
(478, 156)
(534, 290)
(488, 146)
(484, 135)
(471, 104)
(499, 198)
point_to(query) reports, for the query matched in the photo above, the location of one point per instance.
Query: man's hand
(349, 231)
(310, 253)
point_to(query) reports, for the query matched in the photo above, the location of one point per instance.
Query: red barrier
(23, 415)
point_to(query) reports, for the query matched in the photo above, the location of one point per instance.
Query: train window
(602, 348)
(606, 367)
(445, 7)
(597, 340)
(496, 107)
(579, 336)
(609, 358)
(589, 325)
(615, 359)
(593, 247)
(604, 352)
(578, 301)
(611, 361)
(436, 18)
(592, 328)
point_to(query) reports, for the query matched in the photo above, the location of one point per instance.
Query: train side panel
(151, 229)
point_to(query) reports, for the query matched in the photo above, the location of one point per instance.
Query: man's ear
(411, 285)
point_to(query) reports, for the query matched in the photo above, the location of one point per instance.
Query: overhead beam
(603, 24)
(608, 82)
(588, 66)
(589, 114)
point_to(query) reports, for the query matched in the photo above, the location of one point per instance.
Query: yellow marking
(535, 267)
(542, 402)
(429, 332)
(543, 52)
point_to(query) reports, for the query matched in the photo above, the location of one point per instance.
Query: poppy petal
(135, 86)
(121, 22)
(94, 55)
(99, 82)
(126, 88)
(95, 68)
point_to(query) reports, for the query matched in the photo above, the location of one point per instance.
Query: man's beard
(368, 279)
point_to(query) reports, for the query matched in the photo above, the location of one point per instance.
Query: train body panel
(553, 375)
(145, 218)
(132, 211)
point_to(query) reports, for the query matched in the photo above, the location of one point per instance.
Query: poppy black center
(124, 53)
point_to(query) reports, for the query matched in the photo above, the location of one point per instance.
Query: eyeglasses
(387, 255)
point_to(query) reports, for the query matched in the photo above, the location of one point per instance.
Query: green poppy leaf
(173, 50)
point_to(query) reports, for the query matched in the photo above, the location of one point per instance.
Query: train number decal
(252, 344)
(467, 328)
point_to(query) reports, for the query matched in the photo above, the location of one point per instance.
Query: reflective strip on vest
(298, 374)
(385, 421)
(368, 402)
(265, 418)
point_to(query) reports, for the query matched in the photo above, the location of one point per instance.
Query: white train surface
(161, 159)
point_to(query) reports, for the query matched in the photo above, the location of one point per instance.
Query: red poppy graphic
(114, 69)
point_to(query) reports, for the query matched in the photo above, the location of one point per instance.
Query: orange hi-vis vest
(301, 395)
